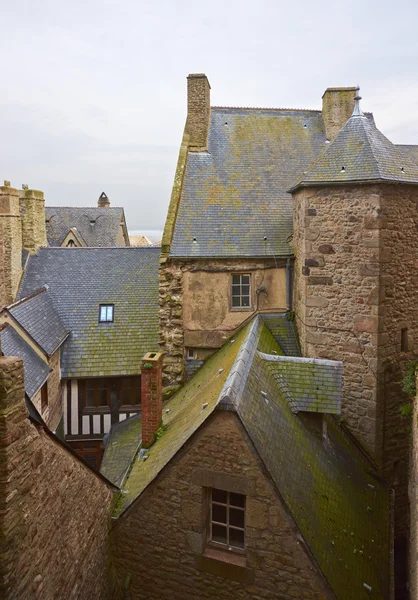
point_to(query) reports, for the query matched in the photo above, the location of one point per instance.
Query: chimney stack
(11, 236)
(198, 112)
(32, 212)
(337, 108)
(103, 201)
(151, 396)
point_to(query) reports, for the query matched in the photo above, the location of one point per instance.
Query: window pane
(237, 500)
(236, 279)
(219, 496)
(245, 279)
(218, 513)
(219, 534)
(89, 397)
(110, 313)
(103, 313)
(236, 538)
(236, 290)
(126, 396)
(245, 290)
(236, 301)
(103, 397)
(236, 517)
(245, 301)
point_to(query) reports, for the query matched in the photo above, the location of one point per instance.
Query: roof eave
(306, 184)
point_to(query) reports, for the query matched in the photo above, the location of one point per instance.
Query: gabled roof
(79, 280)
(36, 371)
(361, 154)
(37, 316)
(98, 227)
(329, 487)
(233, 199)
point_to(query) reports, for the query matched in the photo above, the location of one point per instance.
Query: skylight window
(106, 313)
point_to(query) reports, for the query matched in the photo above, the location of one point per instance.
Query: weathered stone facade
(413, 498)
(10, 225)
(195, 306)
(161, 539)
(355, 296)
(54, 510)
(337, 106)
(198, 111)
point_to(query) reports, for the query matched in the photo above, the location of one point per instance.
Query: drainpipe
(288, 285)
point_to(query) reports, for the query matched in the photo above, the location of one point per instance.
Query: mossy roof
(339, 505)
(79, 280)
(234, 195)
(361, 154)
(98, 227)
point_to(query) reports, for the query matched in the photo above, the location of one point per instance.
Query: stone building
(413, 498)
(251, 481)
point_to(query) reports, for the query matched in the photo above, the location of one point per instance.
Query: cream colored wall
(207, 297)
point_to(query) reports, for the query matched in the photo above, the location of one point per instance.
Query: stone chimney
(103, 201)
(11, 236)
(337, 107)
(32, 212)
(198, 112)
(151, 396)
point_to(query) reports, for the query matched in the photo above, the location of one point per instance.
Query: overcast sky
(93, 92)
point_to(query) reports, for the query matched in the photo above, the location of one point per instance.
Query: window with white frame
(227, 519)
(241, 291)
(106, 312)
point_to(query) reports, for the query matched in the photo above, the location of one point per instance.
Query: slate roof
(36, 371)
(335, 498)
(234, 195)
(37, 316)
(361, 153)
(284, 332)
(79, 280)
(98, 227)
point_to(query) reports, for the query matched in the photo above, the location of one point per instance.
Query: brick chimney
(337, 107)
(32, 212)
(11, 236)
(198, 112)
(151, 396)
(103, 201)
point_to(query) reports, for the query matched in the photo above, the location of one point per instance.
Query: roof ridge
(75, 248)
(89, 207)
(314, 110)
(372, 148)
(44, 288)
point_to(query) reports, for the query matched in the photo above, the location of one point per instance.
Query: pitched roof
(97, 227)
(361, 153)
(36, 314)
(335, 498)
(79, 280)
(234, 195)
(140, 240)
(36, 371)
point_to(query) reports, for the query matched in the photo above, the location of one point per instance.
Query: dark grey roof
(98, 227)
(234, 195)
(410, 151)
(284, 332)
(79, 280)
(309, 384)
(38, 317)
(361, 153)
(36, 371)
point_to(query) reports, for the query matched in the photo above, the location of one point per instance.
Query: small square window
(404, 340)
(227, 519)
(241, 291)
(191, 354)
(106, 313)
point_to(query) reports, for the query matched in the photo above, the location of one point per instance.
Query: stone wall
(337, 107)
(54, 510)
(198, 111)
(12, 243)
(195, 305)
(355, 291)
(55, 407)
(413, 497)
(161, 540)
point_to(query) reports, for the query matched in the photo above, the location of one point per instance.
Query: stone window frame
(191, 354)
(240, 308)
(230, 504)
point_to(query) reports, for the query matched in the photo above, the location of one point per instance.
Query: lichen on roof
(234, 195)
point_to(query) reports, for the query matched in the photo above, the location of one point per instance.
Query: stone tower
(32, 212)
(11, 240)
(356, 284)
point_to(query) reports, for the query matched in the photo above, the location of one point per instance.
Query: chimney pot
(198, 111)
(103, 201)
(151, 396)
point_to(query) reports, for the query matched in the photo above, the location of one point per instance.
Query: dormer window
(106, 313)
